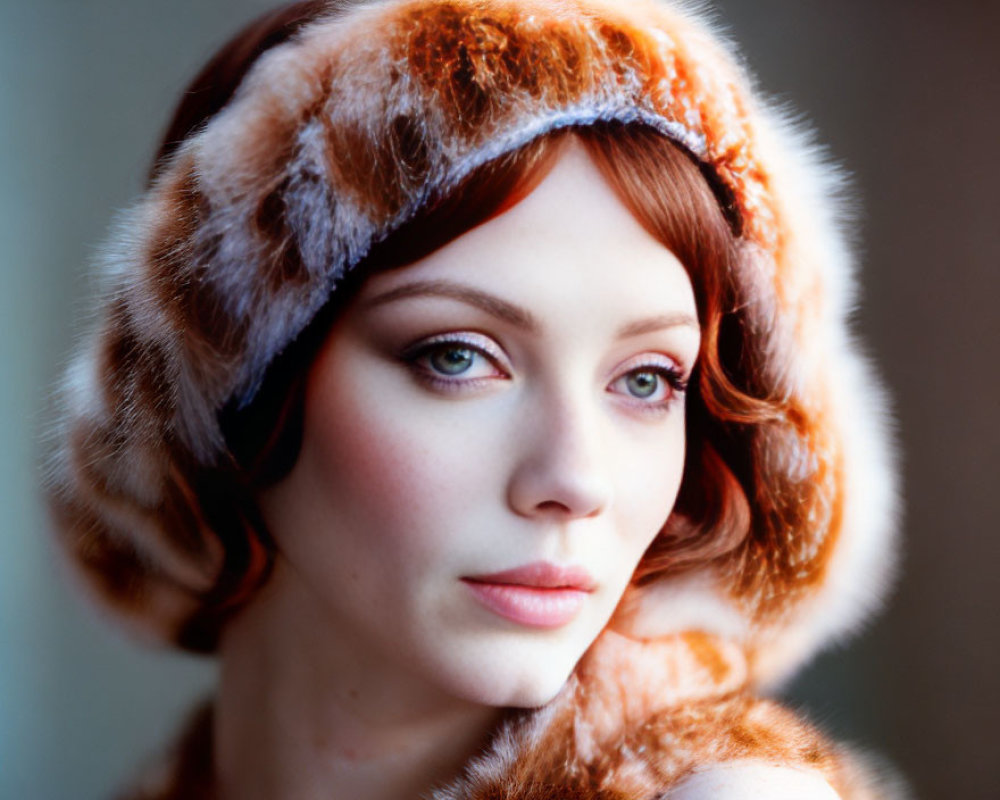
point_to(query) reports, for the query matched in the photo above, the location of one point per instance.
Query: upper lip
(542, 575)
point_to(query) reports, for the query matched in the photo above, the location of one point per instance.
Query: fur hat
(339, 136)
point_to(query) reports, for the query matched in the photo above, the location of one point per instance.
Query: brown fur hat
(337, 137)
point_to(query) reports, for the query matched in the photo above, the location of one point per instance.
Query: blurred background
(904, 95)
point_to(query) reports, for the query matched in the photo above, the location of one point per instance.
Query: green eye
(451, 360)
(650, 386)
(642, 384)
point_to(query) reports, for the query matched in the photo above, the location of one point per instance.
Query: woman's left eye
(651, 385)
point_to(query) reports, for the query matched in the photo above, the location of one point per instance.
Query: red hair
(668, 192)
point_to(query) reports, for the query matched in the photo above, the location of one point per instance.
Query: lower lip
(530, 605)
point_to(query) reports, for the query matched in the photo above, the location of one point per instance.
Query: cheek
(367, 470)
(388, 459)
(360, 460)
(650, 472)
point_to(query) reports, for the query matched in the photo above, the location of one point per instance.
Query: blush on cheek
(381, 464)
(364, 463)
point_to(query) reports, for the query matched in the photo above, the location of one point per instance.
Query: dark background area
(904, 95)
(907, 96)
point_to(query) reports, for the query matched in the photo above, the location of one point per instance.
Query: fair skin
(513, 399)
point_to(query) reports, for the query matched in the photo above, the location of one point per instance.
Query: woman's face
(493, 437)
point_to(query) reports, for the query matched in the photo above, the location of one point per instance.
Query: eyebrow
(660, 322)
(491, 304)
(516, 315)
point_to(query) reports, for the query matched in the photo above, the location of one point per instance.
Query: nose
(562, 470)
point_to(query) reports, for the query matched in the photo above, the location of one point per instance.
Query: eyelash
(415, 357)
(671, 375)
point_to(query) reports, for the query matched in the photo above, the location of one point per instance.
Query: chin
(532, 692)
(516, 681)
(537, 695)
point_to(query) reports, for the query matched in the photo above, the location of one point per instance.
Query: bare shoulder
(749, 780)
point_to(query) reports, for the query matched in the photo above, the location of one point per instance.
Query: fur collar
(635, 719)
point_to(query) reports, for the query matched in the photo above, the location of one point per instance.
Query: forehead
(571, 244)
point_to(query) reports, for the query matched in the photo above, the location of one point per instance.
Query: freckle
(353, 694)
(354, 575)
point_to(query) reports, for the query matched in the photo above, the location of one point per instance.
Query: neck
(304, 716)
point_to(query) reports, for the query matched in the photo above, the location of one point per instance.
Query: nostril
(579, 504)
(553, 506)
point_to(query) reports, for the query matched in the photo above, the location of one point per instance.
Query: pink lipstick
(538, 595)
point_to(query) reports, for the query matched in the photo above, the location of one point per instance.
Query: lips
(538, 595)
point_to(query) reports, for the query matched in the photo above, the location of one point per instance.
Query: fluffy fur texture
(636, 721)
(338, 137)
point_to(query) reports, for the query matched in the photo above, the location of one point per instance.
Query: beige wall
(905, 95)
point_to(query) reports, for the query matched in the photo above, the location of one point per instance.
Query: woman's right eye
(451, 361)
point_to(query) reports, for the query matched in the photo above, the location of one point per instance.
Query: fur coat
(335, 139)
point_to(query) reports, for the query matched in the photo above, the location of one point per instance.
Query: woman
(473, 379)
